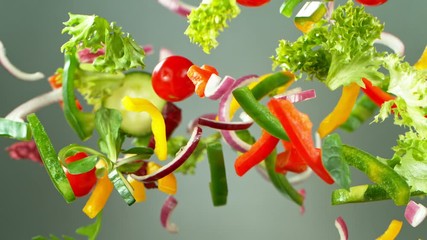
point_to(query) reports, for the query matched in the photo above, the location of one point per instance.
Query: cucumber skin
(135, 84)
(122, 186)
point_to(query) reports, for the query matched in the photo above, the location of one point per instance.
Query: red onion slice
(415, 213)
(342, 228)
(298, 97)
(148, 49)
(217, 87)
(224, 114)
(168, 206)
(177, 7)
(203, 121)
(303, 194)
(392, 42)
(14, 70)
(179, 159)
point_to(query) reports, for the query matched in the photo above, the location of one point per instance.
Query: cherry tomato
(80, 183)
(371, 2)
(252, 3)
(170, 81)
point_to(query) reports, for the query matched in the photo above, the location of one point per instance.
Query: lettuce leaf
(208, 20)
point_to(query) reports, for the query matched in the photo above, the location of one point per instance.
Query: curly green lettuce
(91, 31)
(208, 20)
(337, 52)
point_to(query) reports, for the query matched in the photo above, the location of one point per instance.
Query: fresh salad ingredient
(333, 159)
(290, 160)
(15, 71)
(392, 231)
(252, 3)
(168, 206)
(166, 184)
(376, 94)
(177, 7)
(371, 2)
(342, 228)
(208, 20)
(216, 86)
(138, 189)
(415, 213)
(392, 42)
(122, 186)
(422, 62)
(218, 184)
(200, 76)
(136, 84)
(288, 6)
(311, 13)
(50, 158)
(209, 121)
(24, 150)
(14, 129)
(169, 79)
(99, 197)
(81, 183)
(362, 111)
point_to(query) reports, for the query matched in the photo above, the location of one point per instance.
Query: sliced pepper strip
(138, 189)
(200, 77)
(259, 113)
(362, 111)
(376, 94)
(379, 173)
(290, 160)
(258, 152)
(218, 184)
(50, 158)
(341, 111)
(392, 231)
(166, 184)
(158, 126)
(99, 197)
(421, 64)
(298, 126)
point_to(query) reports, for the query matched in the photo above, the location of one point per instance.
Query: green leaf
(94, 32)
(92, 230)
(334, 162)
(108, 123)
(84, 165)
(208, 20)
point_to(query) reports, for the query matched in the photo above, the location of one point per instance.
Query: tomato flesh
(83, 183)
(371, 2)
(170, 80)
(252, 3)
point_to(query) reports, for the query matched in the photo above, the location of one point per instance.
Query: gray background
(29, 204)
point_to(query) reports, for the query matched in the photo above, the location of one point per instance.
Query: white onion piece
(245, 117)
(34, 104)
(223, 125)
(14, 70)
(179, 159)
(392, 42)
(177, 7)
(217, 87)
(168, 206)
(415, 213)
(342, 228)
(300, 177)
(224, 114)
(298, 97)
(164, 53)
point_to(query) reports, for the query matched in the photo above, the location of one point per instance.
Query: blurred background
(30, 205)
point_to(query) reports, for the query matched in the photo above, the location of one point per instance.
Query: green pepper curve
(288, 7)
(81, 122)
(218, 185)
(394, 184)
(259, 113)
(280, 181)
(14, 129)
(362, 111)
(50, 158)
(270, 83)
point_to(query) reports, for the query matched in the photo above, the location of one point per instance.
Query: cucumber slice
(138, 85)
(122, 186)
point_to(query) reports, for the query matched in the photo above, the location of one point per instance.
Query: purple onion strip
(168, 206)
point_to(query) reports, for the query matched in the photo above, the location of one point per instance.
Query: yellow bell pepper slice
(166, 184)
(392, 230)
(341, 111)
(158, 126)
(138, 189)
(421, 64)
(99, 197)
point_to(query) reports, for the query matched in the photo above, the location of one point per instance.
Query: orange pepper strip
(392, 230)
(158, 126)
(200, 77)
(341, 111)
(421, 64)
(138, 189)
(55, 82)
(99, 197)
(166, 184)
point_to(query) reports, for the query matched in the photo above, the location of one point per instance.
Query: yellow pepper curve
(166, 184)
(392, 230)
(99, 197)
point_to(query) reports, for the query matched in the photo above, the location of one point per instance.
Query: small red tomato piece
(170, 81)
(371, 2)
(252, 3)
(83, 183)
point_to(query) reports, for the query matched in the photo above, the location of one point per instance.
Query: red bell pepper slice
(376, 94)
(290, 160)
(298, 127)
(258, 152)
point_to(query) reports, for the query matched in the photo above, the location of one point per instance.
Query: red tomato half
(81, 183)
(170, 81)
(252, 3)
(371, 2)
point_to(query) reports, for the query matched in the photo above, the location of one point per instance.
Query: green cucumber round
(136, 84)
